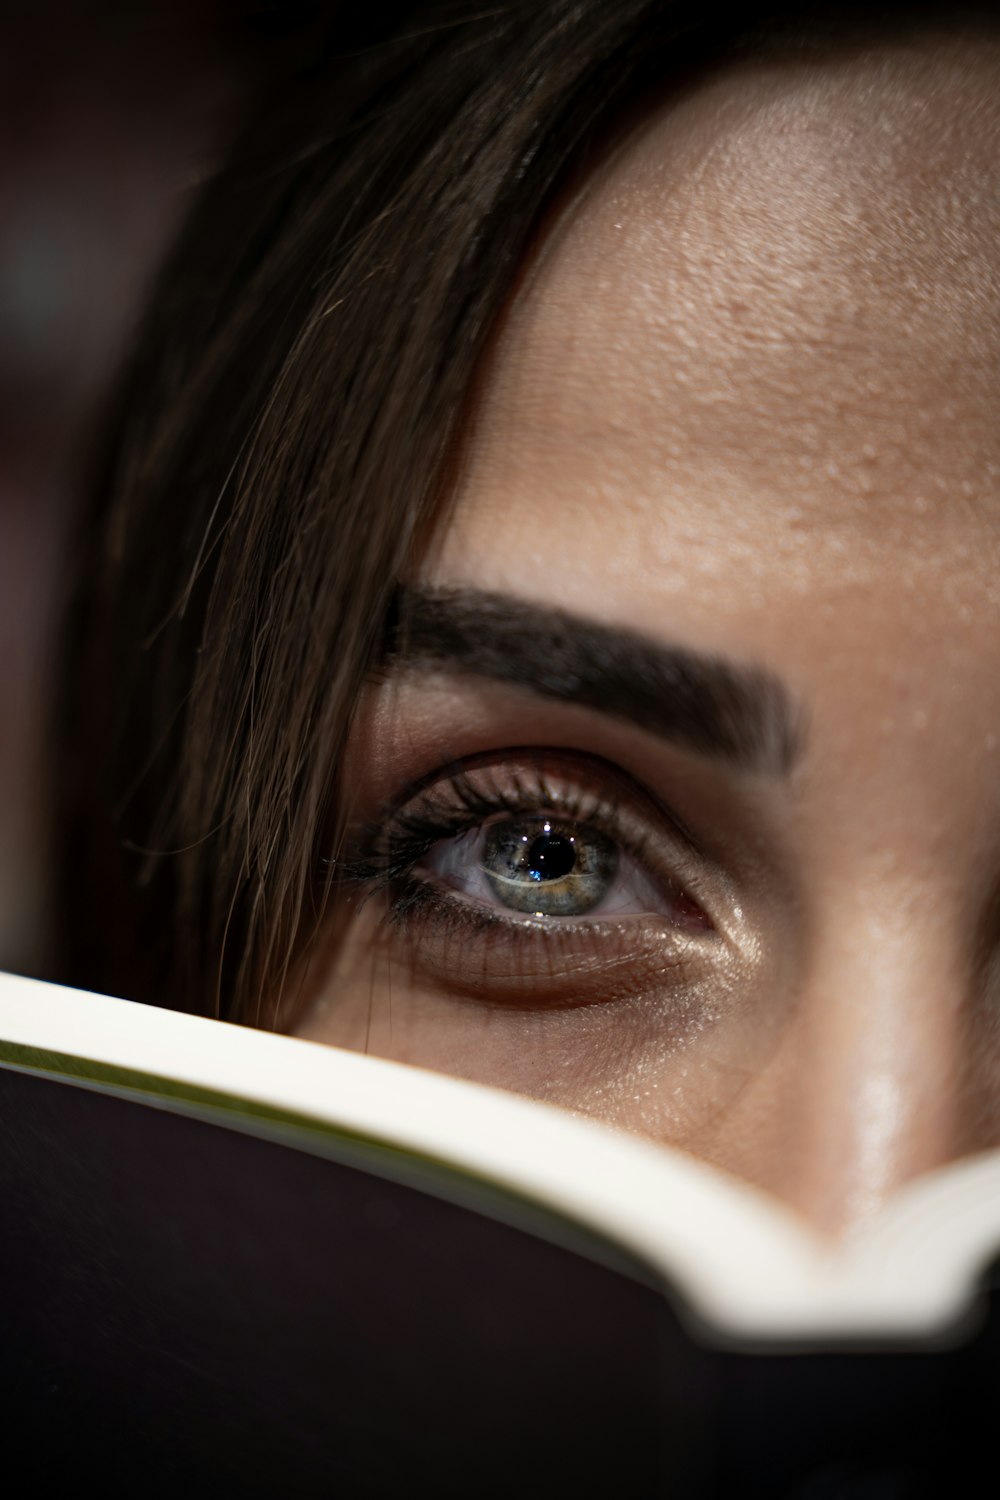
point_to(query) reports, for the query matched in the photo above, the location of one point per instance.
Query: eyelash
(463, 799)
(447, 944)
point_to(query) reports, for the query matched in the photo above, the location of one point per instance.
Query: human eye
(536, 875)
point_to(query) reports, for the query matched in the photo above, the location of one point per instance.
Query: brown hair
(282, 453)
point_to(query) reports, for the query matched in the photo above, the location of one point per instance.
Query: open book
(250, 1264)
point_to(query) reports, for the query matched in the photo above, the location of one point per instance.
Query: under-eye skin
(531, 877)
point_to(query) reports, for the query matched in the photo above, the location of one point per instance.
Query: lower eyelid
(477, 953)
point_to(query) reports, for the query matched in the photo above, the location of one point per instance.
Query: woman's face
(693, 824)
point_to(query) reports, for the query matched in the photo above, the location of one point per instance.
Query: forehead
(777, 301)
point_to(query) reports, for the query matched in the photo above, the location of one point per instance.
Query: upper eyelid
(639, 822)
(482, 804)
(587, 766)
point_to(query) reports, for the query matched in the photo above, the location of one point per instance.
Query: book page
(747, 1266)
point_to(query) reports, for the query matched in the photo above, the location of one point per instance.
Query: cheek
(661, 1054)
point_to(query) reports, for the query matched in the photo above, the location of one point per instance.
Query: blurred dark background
(110, 117)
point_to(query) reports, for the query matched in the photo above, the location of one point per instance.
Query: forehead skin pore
(776, 304)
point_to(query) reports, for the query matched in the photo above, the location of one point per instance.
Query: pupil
(550, 857)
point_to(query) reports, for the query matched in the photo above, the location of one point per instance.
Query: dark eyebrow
(729, 711)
